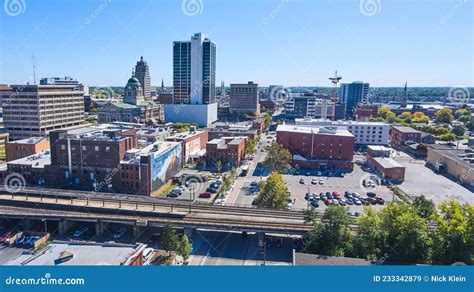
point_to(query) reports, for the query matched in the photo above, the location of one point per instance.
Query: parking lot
(351, 182)
(420, 180)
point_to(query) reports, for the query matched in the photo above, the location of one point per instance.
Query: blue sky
(289, 42)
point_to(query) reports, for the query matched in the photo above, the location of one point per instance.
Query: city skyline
(273, 42)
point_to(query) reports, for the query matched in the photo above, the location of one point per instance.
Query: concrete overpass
(70, 206)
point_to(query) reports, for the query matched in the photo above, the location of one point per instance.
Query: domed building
(133, 108)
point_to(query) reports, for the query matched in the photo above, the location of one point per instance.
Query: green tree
(462, 112)
(250, 146)
(267, 119)
(453, 239)
(310, 214)
(425, 207)
(273, 192)
(332, 236)
(169, 239)
(458, 130)
(465, 119)
(405, 234)
(278, 158)
(368, 242)
(419, 117)
(184, 248)
(444, 116)
(448, 137)
(384, 111)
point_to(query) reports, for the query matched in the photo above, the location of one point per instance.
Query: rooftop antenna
(34, 69)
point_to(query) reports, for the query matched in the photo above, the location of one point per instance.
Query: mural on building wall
(165, 165)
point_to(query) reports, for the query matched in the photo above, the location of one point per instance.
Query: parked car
(350, 202)
(315, 203)
(211, 190)
(80, 232)
(120, 233)
(314, 181)
(301, 181)
(328, 201)
(5, 237)
(322, 197)
(335, 202)
(379, 200)
(357, 202)
(342, 202)
(330, 196)
(371, 194)
(321, 181)
(205, 195)
(372, 201)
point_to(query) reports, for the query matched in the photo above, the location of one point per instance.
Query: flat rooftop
(38, 160)
(457, 155)
(407, 130)
(314, 130)
(31, 140)
(338, 122)
(132, 156)
(186, 135)
(378, 148)
(83, 254)
(387, 162)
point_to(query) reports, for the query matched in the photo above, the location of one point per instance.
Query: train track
(153, 202)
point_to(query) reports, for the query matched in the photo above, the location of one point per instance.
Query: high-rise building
(244, 98)
(350, 94)
(194, 82)
(142, 73)
(34, 110)
(194, 70)
(312, 106)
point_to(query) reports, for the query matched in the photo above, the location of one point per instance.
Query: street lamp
(45, 225)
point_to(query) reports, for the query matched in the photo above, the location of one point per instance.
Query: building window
(96, 148)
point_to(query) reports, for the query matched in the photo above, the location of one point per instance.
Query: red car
(328, 202)
(205, 195)
(5, 237)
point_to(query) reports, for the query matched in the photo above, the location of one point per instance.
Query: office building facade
(35, 110)
(350, 94)
(244, 98)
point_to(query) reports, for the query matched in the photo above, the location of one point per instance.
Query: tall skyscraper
(194, 70)
(194, 82)
(142, 73)
(350, 94)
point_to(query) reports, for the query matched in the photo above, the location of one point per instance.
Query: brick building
(25, 147)
(400, 136)
(83, 158)
(229, 150)
(387, 168)
(220, 130)
(325, 149)
(192, 142)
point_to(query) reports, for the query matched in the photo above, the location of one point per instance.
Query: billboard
(165, 164)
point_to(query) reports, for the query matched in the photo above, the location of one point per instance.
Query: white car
(321, 181)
